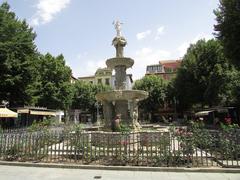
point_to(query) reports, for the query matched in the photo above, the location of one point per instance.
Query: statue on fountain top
(117, 25)
(119, 41)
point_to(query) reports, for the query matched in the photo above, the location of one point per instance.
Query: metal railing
(160, 149)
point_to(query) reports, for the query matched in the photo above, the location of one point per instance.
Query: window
(154, 68)
(107, 82)
(168, 70)
(150, 68)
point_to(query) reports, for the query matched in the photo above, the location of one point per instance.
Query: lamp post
(238, 5)
(98, 120)
(175, 108)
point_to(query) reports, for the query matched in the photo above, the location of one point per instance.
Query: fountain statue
(121, 103)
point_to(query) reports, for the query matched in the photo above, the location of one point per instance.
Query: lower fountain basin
(122, 95)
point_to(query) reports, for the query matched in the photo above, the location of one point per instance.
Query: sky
(82, 30)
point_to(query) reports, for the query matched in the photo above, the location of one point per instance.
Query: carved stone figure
(117, 25)
(136, 124)
(116, 123)
(119, 43)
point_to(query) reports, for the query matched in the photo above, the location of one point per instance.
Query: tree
(53, 88)
(17, 58)
(84, 95)
(156, 87)
(205, 76)
(228, 28)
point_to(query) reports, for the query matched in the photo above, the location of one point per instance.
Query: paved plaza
(36, 173)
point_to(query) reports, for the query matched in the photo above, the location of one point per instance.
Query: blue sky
(82, 30)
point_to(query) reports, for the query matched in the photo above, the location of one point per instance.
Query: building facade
(104, 76)
(167, 69)
(73, 79)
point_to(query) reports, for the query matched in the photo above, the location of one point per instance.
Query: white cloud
(144, 51)
(46, 10)
(213, 3)
(143, 35)
(83, 65)
(160, 31)
(82, 55)
(92, 66)
(202, 36)
(182, 49)
(144, 57)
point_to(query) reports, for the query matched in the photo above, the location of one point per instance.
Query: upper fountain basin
(122, 95)
(119, 61)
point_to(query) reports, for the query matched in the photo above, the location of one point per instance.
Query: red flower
(124, 143)
(228, 120)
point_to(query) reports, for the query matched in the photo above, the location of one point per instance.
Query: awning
(222, 110)
(59, 113)
(43, 113)
(23, 111)
(202, 113)
(7, 113)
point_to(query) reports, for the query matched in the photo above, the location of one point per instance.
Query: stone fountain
(120, 102)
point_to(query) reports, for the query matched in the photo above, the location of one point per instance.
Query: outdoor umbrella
(7, 113)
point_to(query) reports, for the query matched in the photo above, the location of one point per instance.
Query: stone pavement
(36, 173)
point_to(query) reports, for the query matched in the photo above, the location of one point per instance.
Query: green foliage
(228, 28)
(76, 128)
(124, 128)
(40, 126)
(84, 95)
(53, 88)
(27, 77)
(228, 128)
(156, 87)
(227, 31)
(229, 144)
(12, 153)
(17, 58)
(196, 136)
(205, 76)
(224, 141)
(201, 136)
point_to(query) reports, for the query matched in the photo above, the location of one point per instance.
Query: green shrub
(124, 128)
(41, 125)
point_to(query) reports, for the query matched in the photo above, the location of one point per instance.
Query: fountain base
(123, 103)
